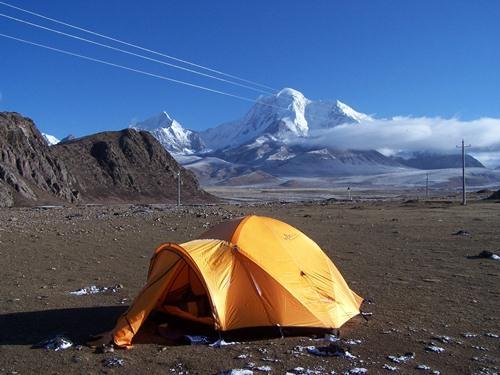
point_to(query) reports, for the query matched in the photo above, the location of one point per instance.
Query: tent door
(186, 297)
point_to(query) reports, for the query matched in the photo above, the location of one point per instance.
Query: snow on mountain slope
(212, 170)
(322, 162)
(324, 114)
(50, 139)
(171, 134)
(286, 115)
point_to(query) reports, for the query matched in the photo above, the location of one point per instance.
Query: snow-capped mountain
(171, 134)
(68, 138)
(50, 139)
(268, 139)
(284, 116)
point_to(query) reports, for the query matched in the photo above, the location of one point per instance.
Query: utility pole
(427, 186)
(178, 188)
(464, 196)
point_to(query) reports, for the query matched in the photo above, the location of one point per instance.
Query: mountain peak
(50, 139)
(161, 120)
(171, 134)
(284, 116)
(350, 112)
(289, 92)
(164, 115)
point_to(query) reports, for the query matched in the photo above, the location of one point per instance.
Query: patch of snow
(434, 349)
(353, 342)
(221, 342)
(269, 359)
(330, 352)
(113, 362)
(331, 338)
(93, 289)
(282, 154)
(402, 358)
(56, 343)
(444, 339)
(356, 371)
(423, 367)
(50, 139)
(469, 335)
(236, 371)
(389, 367)
(482, 348)
(197, 340)
(263, 368)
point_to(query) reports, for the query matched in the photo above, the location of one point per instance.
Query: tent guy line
(138, 47)
(131, 53)
(138, 71)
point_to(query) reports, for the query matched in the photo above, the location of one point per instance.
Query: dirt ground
(402, 256)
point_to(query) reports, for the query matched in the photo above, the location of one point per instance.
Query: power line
(137, 71)
(129, 53)
(137, 46)
(150, 74)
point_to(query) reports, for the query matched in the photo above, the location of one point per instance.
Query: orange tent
(249, 272)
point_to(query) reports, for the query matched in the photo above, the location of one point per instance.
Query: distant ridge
(425, 160)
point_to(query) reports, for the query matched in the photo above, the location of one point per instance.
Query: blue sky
(420, 58)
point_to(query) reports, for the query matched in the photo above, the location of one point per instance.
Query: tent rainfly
(249, 272)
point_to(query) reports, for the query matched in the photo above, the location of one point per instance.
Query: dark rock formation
(127, 165)
(29, 170)
(123, 166)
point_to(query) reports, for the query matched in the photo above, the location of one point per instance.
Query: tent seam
(285, 288)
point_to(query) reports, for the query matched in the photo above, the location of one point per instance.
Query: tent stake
(281, 331)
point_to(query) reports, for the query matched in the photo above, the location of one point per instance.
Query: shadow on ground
(78, 324)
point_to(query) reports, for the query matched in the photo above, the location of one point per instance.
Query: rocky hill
(29, 170)
(127, 165)
(122, 166)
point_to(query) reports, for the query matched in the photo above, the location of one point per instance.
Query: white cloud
(406, 134)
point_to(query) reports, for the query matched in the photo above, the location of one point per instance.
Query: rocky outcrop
(127, 165)
(29, 170)
(123, 166)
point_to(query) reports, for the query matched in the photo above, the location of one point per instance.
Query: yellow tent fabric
(252, 272)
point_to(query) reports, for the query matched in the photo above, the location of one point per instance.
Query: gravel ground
(401, 255)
